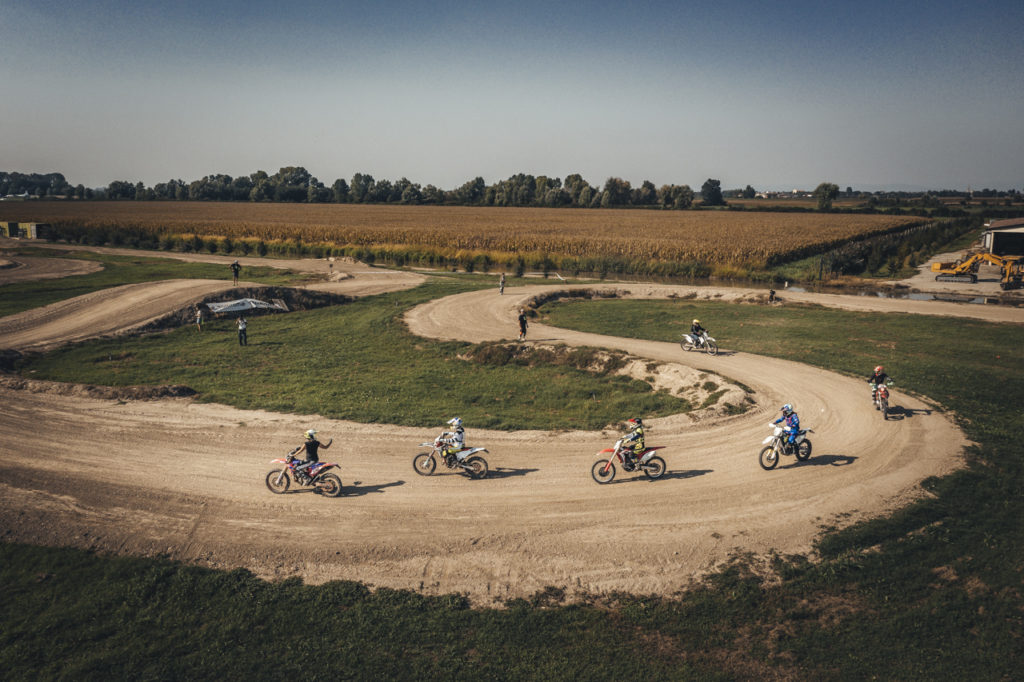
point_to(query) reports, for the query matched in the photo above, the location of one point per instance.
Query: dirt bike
(603, 470)
(465, 459)
(777, 445)
(880, 398)
(315, 475)
(699, 342)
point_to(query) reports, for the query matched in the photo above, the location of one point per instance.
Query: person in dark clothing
(235, 269)
(522, 325)
(311, 445)
(698, 333)
(879, 378)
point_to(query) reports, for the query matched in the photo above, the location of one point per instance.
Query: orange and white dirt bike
(315, 475)
(652, 465)
(465, 459)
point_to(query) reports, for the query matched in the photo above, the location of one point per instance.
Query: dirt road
(185, 480)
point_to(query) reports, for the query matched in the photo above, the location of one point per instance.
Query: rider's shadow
(823, 460)
(689, 473)
(357, 490)
(508, 472)
(898, 412)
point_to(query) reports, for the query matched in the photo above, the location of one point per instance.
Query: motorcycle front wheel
(885, 409)
(768, 458)
(278, 481)
(654, 468)
(424, 464)
(476, 467)
(712, 348)
(603, 471)
(803, 451)
(329, 485)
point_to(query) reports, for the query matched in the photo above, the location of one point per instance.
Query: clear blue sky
(777, 95)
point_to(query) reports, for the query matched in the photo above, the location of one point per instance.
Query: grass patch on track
(359, 362)
(17, 297)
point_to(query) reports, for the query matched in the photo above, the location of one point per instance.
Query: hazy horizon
(872, 96)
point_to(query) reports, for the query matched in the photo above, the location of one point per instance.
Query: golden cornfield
(724, 238)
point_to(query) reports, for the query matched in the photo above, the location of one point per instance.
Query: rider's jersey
(697, 330)
(792, 421)
(456, 439)
(636, 438)
(879, 379)
(312, 446)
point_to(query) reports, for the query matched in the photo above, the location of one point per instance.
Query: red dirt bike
(603, 470)
(315, 475)
(880, 397)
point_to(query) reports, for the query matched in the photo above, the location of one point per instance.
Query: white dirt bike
(465, 459)
(777, 445)
(700, 342)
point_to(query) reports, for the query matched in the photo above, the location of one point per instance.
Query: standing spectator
(199, 318)
(243, 339)
(771, 295)
(501, 284)
(522, 325)
(235, 269)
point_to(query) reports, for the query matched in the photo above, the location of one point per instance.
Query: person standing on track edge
(235, 269)
(501, 284)
(243, 337)
(522, 325)
(199, 318)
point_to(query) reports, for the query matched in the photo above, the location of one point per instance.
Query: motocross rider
(311, 446)
(792, 423)
(697, 332)
(454, 439)
(879, 378)
(633, 442)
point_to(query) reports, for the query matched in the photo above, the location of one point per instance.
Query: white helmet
(311, 434)
(455, 422)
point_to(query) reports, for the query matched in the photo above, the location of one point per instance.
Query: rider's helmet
(696, 321)
(455, 422)
(879, 369)
(787, 409)
(635, 422)
(311, 434)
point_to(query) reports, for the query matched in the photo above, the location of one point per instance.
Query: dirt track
(186, 480)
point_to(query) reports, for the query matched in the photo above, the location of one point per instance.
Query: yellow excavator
(1011, 269)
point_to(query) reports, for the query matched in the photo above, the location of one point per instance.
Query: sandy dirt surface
(186, 480)
(18, 268)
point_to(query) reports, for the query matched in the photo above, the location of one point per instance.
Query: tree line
(294, 184)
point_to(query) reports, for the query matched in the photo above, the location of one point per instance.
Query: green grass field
(358, 362)
(933, 592)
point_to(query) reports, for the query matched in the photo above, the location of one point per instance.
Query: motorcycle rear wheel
(803, 451)
(477, 467)
(278, 481)
(424, 463)
(600, 474)
(686, 345)
(712, 348)
(329, 485)
(768, 458)
(654, 468)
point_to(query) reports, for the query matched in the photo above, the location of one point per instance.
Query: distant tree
(361, 185)
(617, 192)
(340, 191)
(711, 193)
(826, 193)
(749, 192)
